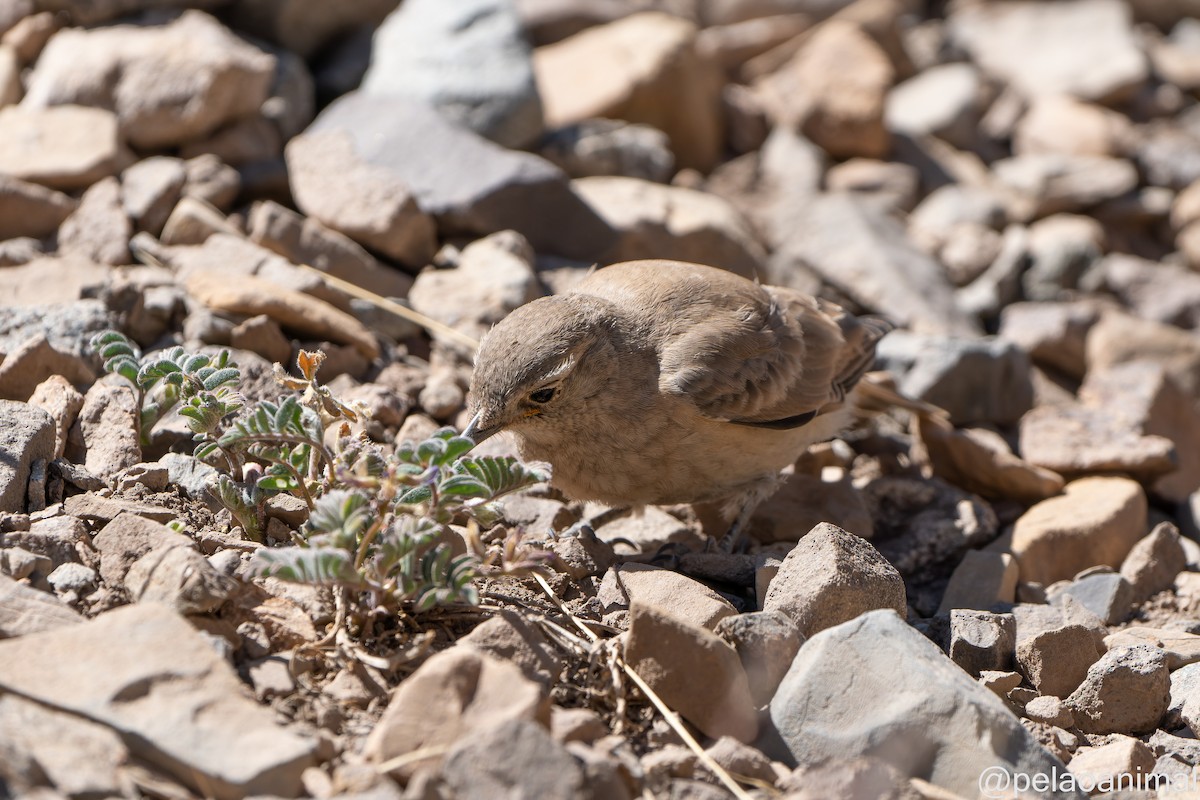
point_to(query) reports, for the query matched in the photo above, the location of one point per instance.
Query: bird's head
(542, 370)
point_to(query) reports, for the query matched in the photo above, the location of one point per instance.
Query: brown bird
(657, 382)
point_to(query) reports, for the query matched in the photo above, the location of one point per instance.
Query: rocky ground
(1014, 584)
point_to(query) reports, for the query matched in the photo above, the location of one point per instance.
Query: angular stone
(36, 360)
(179, 578)
(149, 190)
(1051, 183)
(1057, 660)
(653, 75)
(610, 147)
(398, 146)
(766, 643)
(58, 539)
(1185, 697)
(27, 209)
(1084, 48)
(455, 695)
(946, 101)
(62, 401)
(1049, 710)
(24, 610)
(1127, 691)
(109, 420)
(98, 230)
(656, 221)
(1062, 124)
(1054, 334)
(468, 60)
(510, 637)
(839, 109)
(805, 501)
(516, 753)
(981, 641)
(133, 71)
(913, 691)
(831, 577)
(981, 580)
(67, 147)
(1123, 761)
(143, 671)
(695, 672)
(1106, 594)
(865, 253)
(1154, 561)
(303, 240)
(26, 438)
(976, 380)
(1096, 521)
(128, 538)
(689, 600)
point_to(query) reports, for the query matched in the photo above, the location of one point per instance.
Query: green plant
(202, 386)
(380, 523)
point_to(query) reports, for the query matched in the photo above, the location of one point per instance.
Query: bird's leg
(744, 505)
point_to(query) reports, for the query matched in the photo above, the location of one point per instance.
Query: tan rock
(62, 402)
(840, 109)
(981, 580)
(210, 179)
(172, 697)
(66, 147)
(192, 221)
(802, 503)
(691, 601)
(1123, 759)
(262, 335)
(653, 75)
(1062, 124)
(1056, 660)
(27, 209)
(307, 316)
(1054, 334)
(657, 221)
(1096, 521)
(694, 672)
(1181, 648)
(831, 577)
(109, 420)
(1126, 691)
(766, 642)
(10, 76)
(25, 610)
(980, 461)
(150, 189)
(1118, 337)
(453, 695)
(135, 71)
(30, 35)
(98, 230)
(1153, 563)
(36, 360)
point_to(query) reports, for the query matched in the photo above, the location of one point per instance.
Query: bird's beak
(477, 431)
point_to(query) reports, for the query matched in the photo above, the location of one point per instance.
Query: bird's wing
(765, 356)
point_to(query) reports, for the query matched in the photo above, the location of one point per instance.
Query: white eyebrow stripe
(560, 370)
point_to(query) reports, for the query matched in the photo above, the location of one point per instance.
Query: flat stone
(516, 753)
(304, 240)
(1096, 521)
(831, 577)
(24, 610)
(26, 437)
(72, 577)
(455, 695)
(913, 691)
(1181, 648)
(981, 641)
(695, 672)
(1185, 697)
(1049, 710)
(981, 462)
(66, 147)
(655, 76)
(28, 209)
(946, 101)
(132, 70)
(146, 673)
(122, 542)
(393, 148)
(1126, 691)
(468, 60)
(689, 600)
(58, 539)
(1051, 183)
(109, 420)
(36, 360)
(1084, 48)
(1122, 761)
(308, 316)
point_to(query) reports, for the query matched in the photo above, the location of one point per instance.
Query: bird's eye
(543, 395)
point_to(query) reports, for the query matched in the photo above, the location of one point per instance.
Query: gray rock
(858, 248)
(146, 673)
(67, 326)
(149, 190)
(470, 185)
(122, 542)
(610, 147)
(515, 759)
(1153, 563)
(1184, 708)
(1057, 660)
(976, 380)
(1050, 183)
(58, 538)
(26, 438)
(70, 577)
(980, 641)
(831, 577)
(25, 611)
(766, 642)
(1127, 691)
(876, 687)
(468, 59)
(945, 101)
(511, 637)
(1107, 595)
